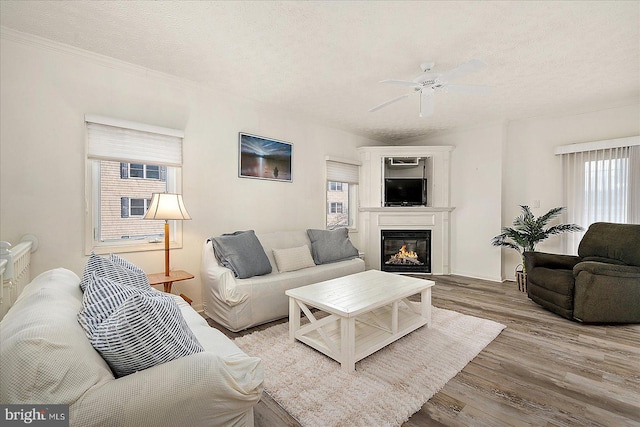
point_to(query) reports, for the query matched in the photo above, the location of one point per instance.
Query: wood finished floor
(542, 370)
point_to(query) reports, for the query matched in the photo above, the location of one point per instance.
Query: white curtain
(634, 185)
(600, 185)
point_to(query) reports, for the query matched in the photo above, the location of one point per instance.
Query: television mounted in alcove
(405, 191)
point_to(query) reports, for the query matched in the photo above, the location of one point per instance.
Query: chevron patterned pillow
(115, 271)
(101, 298)
(147, 329)
(126, 264)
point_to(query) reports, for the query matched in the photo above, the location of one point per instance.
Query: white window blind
(600, 185)
(113, 139)
(341, 171)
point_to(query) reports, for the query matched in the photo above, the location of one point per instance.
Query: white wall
(499, 167)
(46, 91)
(533, 172)
(476, 194)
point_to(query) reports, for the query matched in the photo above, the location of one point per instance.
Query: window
(126, 163)
(336, 208)
(601, 183)
(142, 171)
(133, 207)
(342, 193)
(605, 188)
(337, 186)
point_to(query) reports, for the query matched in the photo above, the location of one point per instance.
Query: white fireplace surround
(374, 217)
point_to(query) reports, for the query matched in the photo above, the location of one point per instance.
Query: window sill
(116, 248)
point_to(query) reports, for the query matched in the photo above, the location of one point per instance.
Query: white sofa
(47, 359)
(239, 304)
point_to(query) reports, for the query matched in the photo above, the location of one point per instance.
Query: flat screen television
(405, 191)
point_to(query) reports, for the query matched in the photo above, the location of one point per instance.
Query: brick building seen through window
(337, 204)
(125, 194)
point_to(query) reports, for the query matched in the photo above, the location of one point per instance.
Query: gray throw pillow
(331, 245)
(242, 253)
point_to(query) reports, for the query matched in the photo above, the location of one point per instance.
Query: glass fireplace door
(406, 251)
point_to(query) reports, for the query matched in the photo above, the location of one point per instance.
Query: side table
(167, 281)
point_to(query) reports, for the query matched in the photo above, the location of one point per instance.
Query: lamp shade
(167, 206)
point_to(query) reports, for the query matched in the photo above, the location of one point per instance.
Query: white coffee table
(366, 311)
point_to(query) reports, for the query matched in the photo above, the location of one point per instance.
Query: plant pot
(521, 279)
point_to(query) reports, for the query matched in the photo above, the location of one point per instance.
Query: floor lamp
(167, 206)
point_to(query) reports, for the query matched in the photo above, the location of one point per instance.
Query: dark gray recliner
(600, 285)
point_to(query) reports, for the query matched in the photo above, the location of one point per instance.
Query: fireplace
(405, 251)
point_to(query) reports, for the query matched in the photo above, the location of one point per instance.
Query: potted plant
(527, 232)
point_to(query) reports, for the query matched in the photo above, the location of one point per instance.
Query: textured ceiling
(324, 59)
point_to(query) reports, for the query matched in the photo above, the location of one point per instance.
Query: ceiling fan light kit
(427, 83)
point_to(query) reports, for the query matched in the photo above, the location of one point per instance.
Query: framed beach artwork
(264, 158)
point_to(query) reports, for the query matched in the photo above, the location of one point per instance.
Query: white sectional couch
(47, 359)
(238, 304)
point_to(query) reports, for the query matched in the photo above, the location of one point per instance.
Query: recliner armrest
(605, 269)
(547, 260)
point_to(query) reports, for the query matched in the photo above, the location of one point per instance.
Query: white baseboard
(478, 276)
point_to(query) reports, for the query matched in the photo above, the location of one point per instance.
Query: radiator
(15, 265)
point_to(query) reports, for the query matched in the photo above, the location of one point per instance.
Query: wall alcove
(430, 163)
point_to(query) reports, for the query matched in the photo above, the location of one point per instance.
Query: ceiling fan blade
(401, 82)
(426, 102)
(475, 89)
(463, 69)
(391, 101)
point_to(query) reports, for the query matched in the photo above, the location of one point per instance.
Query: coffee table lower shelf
(370, 332)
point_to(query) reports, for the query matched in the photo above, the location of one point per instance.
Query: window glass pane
(153, 172)
(605, 190)
(110, 225)
(137, 207)
(336, 186)
(338, 205)
(136, 170)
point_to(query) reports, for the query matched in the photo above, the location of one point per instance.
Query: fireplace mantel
(436, 216)
(407, 209)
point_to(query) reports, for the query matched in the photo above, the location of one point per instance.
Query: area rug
(387, 387)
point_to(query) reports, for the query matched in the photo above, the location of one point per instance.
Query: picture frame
(264, 158)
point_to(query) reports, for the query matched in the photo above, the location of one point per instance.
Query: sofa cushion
(242, 253)
(293, 259)
(614, 241)
(331, 245)
(602, 259)
(147, 329)
(282, 240)
(104, 267)
(101, 298)
(266, 294)
(46, 357)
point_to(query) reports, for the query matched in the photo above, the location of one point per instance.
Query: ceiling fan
(427, 83)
